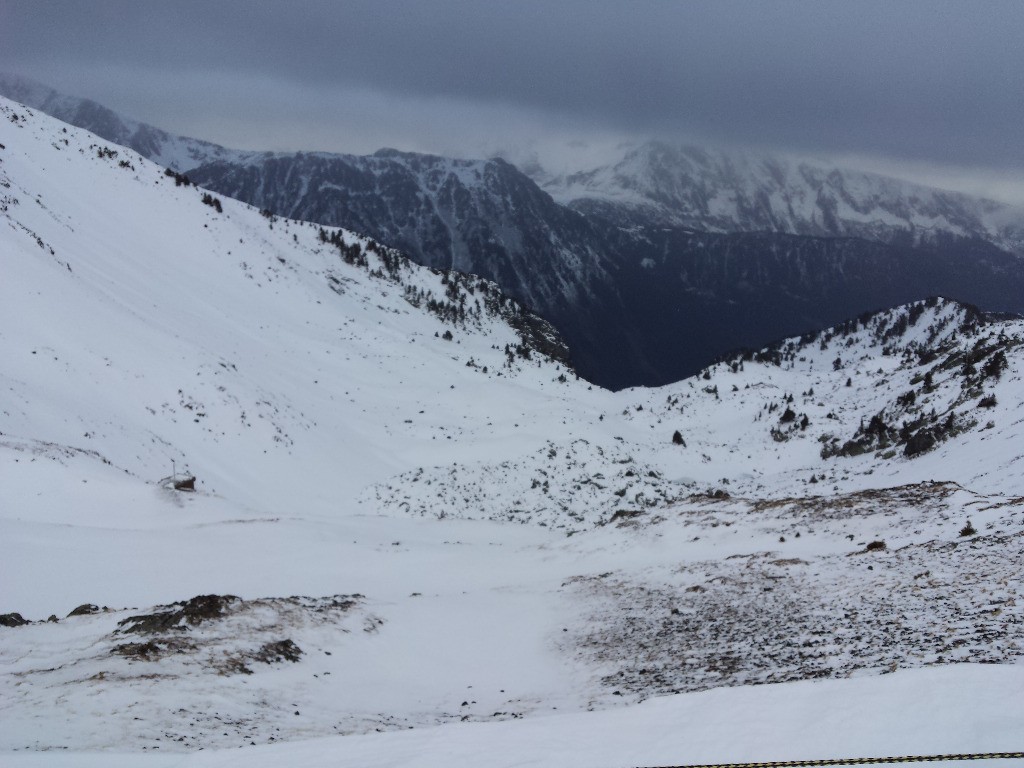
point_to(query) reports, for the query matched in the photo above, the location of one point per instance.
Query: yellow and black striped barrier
(861, 761)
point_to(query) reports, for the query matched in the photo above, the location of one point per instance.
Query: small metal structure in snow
(178, 482)
(187, 483)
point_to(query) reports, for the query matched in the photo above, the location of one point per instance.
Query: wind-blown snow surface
(385, 511)
(951, 710)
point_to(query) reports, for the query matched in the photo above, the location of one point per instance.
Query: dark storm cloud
(930, 82)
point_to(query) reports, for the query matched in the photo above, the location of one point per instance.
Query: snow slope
(456, 535)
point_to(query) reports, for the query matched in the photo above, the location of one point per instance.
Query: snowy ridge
(738, 192)
(481, 216)
(455, 199)
(879, 395)
(163, 148)
(375, 566)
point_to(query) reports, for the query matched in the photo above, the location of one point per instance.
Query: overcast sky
(929, 90)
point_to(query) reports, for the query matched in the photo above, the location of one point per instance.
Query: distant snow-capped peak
(739, 191)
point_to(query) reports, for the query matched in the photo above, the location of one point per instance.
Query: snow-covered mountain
(640, 295)
(409, 513)
(637, 301)
(718, 191)
(657, 183)
(469, 215)
(163, 148)
(480, 216)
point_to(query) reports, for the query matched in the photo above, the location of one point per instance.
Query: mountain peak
(737, 191)
(396, 153)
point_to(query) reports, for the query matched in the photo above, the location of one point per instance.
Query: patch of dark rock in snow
(191, 613)
(764, 618)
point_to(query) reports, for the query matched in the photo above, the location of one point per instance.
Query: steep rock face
(663, 185)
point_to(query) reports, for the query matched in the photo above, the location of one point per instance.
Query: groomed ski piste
(417, 538)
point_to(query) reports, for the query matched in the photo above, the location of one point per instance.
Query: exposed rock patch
(190, 613)
(85, 609)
